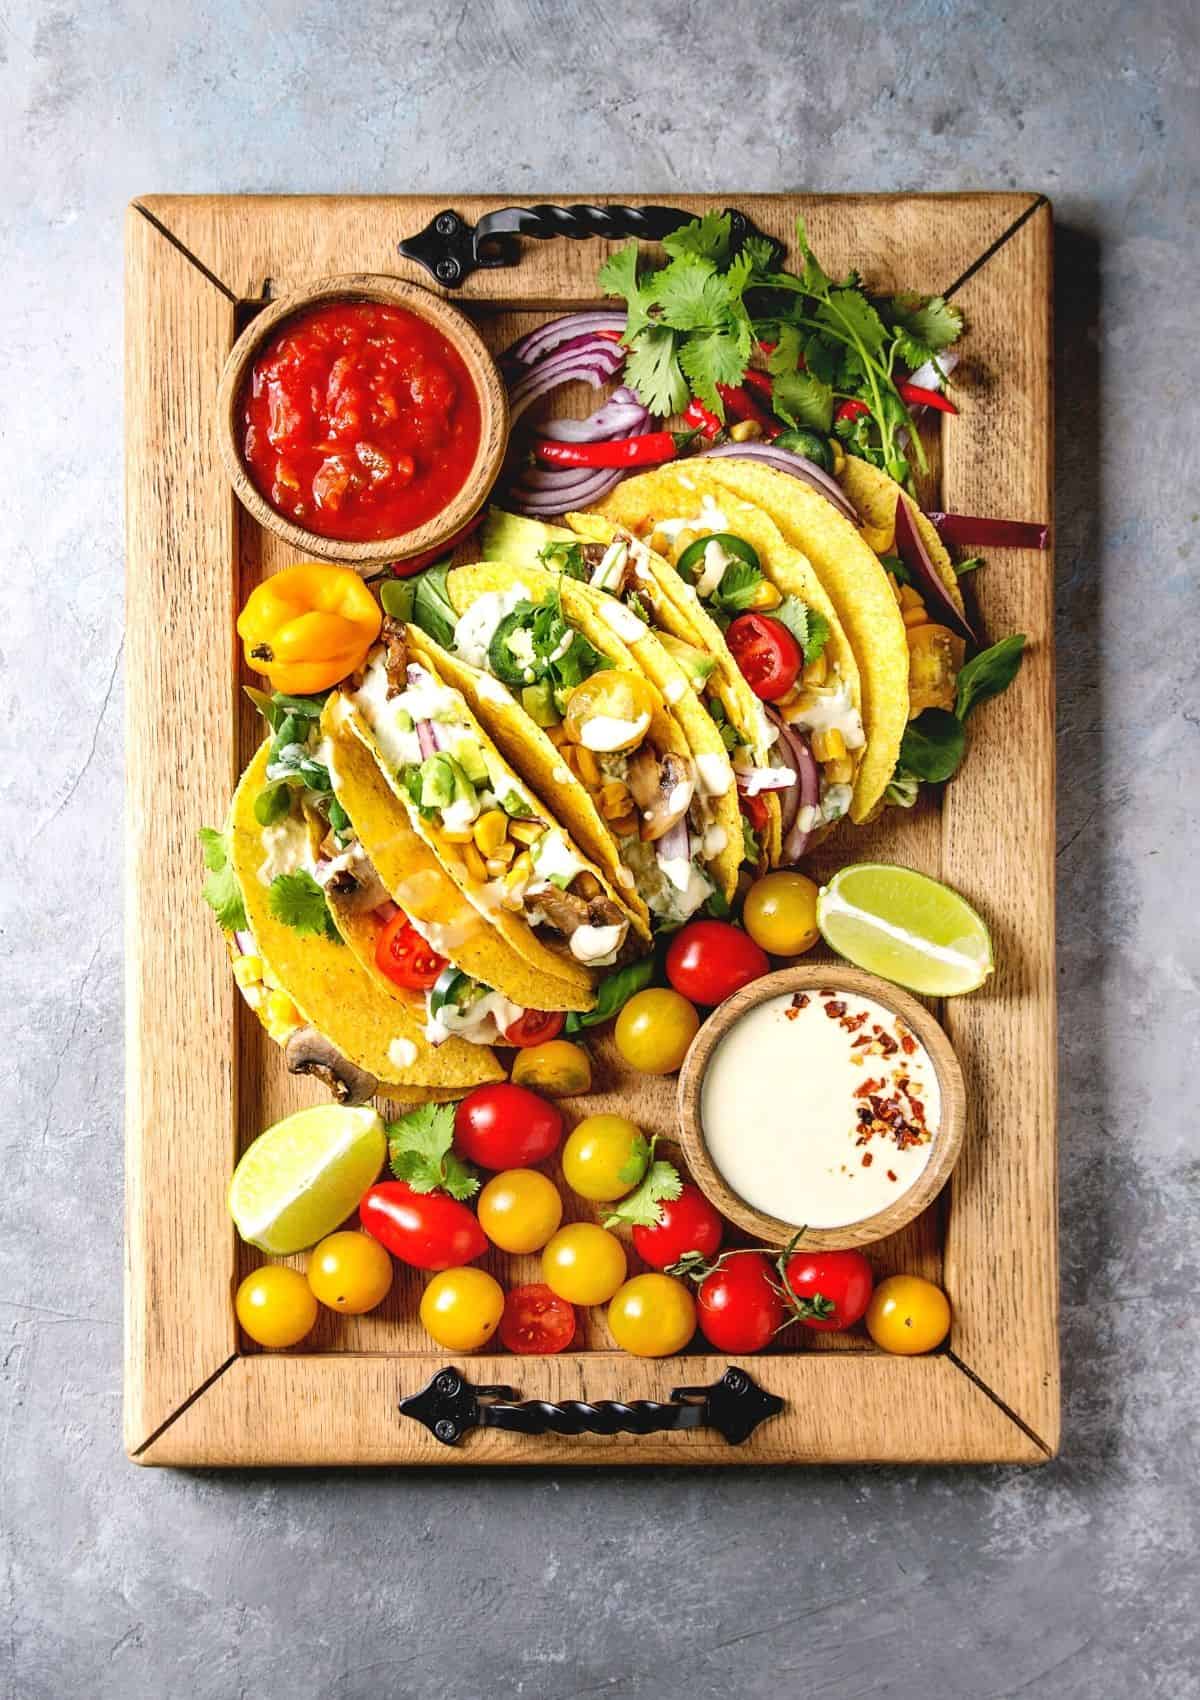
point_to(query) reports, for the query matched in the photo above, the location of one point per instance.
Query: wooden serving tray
(203, 1079)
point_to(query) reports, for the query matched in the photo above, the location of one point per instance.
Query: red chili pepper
(650, 450)
(744, 406)
(767, 347)
(916, 396)
(850, 410)
(760, 381)
(701, 417)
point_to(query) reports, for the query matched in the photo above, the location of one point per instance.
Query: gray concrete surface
(1078, 1582)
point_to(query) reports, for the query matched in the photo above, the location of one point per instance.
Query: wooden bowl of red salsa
(363, 420)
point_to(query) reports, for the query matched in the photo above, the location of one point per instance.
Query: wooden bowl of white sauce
(821, 1099)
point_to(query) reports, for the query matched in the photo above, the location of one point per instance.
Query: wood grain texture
(285, 1409)
(998, 850)
(194, 555)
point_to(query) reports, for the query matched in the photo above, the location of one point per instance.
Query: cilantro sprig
(419, 1151)
(660, 1183)
(298, 902)
(221, 890)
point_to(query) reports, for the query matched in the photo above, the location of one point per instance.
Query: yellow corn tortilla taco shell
(329, 986)
(421, 886)
(875, 495)
(866, 606)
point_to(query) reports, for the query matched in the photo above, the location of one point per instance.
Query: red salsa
(360, 421)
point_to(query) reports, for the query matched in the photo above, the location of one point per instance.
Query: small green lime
(905, 927)
(303, 1177)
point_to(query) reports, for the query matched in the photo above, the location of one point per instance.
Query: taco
(308, 990)
(502, 846)
(583, 700)
(410, 925)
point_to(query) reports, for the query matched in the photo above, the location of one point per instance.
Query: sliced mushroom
(662, 788)
(395, 655)
(351, 879)
(308, 1051)
(566, 910)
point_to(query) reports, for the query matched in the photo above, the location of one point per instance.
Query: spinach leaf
(933, 745)
(613, 992)
(989, 673)
(432, 608)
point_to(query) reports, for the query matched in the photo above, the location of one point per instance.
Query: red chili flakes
(867, 1159)
(892, 1175)
(852, 1023)
(886, 1043)
(907, 1044)
(835, 1009)
(863, 1039)
(868, 1086)
(800, 1000)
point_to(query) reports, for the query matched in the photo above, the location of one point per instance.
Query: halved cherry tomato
(831, 1289)
(755, 810)
(687, 1223)
(710, 960)
(430, 1230)
(740, 1307)
(503, 1126)
(534, 1027)
(536, 1320)
(767, 654)
(403, 955)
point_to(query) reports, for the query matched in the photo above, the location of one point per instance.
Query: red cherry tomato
(687, 1223)
(740, 1308)
(534, 1027)
(430, 1230)
(833, 1288)
(710, 960)
(403, 955)
(506, 1127)
(536, 1320)
(767, 654)
(755, 810)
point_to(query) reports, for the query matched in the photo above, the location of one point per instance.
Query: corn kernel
(525, 831)
(839, 772)
(765, 596)
(816, 672)
(615, 799)
(504, 854)
(247, 969)
(675, 547)
(280, 1011)
(839, 458)
(520, 873)
(513, 904)
(496, 869)
(476, 866)
(490, 831)
(806, 701)
(745, 431)
(915, 616)
(586, 766)
(828, 746)
(465, 837)
(909, 597)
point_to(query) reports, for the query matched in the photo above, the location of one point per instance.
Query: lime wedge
(905, 927)
(302, 1178)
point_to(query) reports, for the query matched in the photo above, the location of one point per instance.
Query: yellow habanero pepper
(308, 627)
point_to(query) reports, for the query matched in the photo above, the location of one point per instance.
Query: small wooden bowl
(493, 407)
(770, 1230)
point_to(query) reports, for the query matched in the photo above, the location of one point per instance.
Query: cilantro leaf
(691, 294)
(641, 1208)
(272, 803)
(637, 1162)
(419, 1152)
(922, 325)
(564, 558)
(989, 673)
(847, 312)
(619, 276)
(738, 587)
(818, 634)
(298, 901)
(803, 399)
(807, 625)
(709, 358)
(221, 890)
(653, 370)
(707, 237)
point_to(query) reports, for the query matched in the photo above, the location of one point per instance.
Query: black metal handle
(450, 1406)
(450, 249)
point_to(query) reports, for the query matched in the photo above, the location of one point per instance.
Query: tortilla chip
(328, 985)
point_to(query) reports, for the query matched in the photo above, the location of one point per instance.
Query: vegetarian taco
(311, 994)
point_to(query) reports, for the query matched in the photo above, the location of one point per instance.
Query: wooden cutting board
(202, 1080)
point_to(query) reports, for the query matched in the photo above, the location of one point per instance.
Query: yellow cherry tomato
(461, 1308)
(654, 1030)
(557, 1068)
(604, 1158)
(610, 711)
(908, 1315)
(781, 914)
(584, 1264)
(275, 1305)
(350, 1272)
(519, 1209)
(934, 656)
(309, 626)
(652, 1316)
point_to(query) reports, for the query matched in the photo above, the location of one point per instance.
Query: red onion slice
(538, 342)
(808, 791)
(614, 419)
(967, 531)
(426, 739)
(675, 845)
(783, 460)
(245, 942)
(915, 556)
(594, 364)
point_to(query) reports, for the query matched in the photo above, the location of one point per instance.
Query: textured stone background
(1076, 1582)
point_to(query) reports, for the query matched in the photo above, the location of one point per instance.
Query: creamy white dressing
(608, 573)
(458, 815)
(622, 620)
(806, 817)
(475, 629)
(560, 775)
(756, 779)
(675, 689)
(835, 800)
(714, 841)
(597, 946)
(287, 848)
(554, 860)
(781, 1119)
(715, 563)
(710, 518)
(680, 797)
(562, 646)
(482, 1022)
(714, 775)
(832, 711)
(607, 732)
(402, 1053)
(444, 936)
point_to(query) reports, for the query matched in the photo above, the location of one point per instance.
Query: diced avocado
(514, 805)
(403, 719)
(469, 757)
(538, 703)
(696, 663)
(437, 781)
(515, 540)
